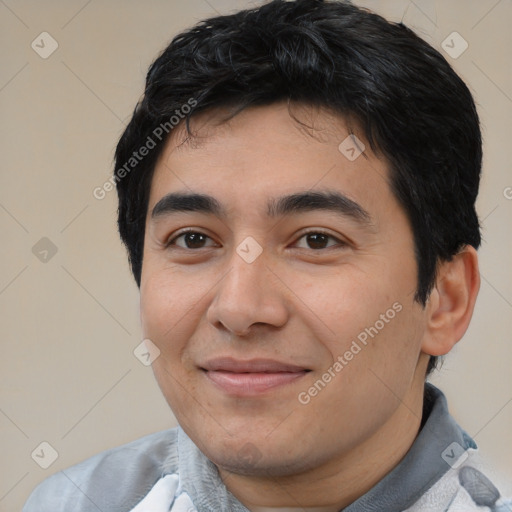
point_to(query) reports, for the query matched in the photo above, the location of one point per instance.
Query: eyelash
(339, 243)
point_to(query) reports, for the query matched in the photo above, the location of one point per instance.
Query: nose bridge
(248, 264)
(246, 280)
(247, 295)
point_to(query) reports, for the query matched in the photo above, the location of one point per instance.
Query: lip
(251, 377)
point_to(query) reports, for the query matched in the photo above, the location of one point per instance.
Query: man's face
(288, 331)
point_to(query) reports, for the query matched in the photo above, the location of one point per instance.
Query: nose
(248, 294)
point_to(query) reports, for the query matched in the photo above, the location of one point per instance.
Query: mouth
(251, 378)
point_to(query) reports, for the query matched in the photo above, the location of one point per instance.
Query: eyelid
(174, 236)
(340, 241)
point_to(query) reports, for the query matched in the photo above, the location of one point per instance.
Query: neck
(343, 479)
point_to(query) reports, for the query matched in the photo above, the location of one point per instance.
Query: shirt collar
(422, 466)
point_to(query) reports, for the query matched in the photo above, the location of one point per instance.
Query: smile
(251, 378)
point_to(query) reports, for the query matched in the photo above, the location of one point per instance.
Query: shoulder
(465, 487)
(113, 480)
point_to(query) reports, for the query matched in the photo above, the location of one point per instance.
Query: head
(259, 111)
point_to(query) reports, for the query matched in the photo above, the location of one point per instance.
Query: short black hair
(412, 107)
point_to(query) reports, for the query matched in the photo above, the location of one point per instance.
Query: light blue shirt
(118, 479)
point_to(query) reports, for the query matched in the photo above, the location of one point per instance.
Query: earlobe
(452, 302)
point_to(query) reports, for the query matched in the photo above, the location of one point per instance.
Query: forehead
(269, 151)
(281, 123)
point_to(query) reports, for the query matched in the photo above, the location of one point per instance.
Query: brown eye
(190, 240)
(317, 240)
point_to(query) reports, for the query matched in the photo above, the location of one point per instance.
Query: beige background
(70, 325)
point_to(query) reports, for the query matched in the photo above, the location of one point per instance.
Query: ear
(451, 302)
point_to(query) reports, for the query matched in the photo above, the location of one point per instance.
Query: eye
(190, 240)
(315, 240)
(318, 240)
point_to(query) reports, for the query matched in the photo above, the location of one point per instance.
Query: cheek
(342, 304)
(170, 304)
(370, 318)
(387, 351)
(170, 313)
(376, 369)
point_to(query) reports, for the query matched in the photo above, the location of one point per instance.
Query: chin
(259, 458)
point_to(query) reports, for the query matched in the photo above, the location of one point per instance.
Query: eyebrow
(309, 201)
(179, 202)
(276, 207)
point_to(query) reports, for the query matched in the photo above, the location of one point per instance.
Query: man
(296, 194)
